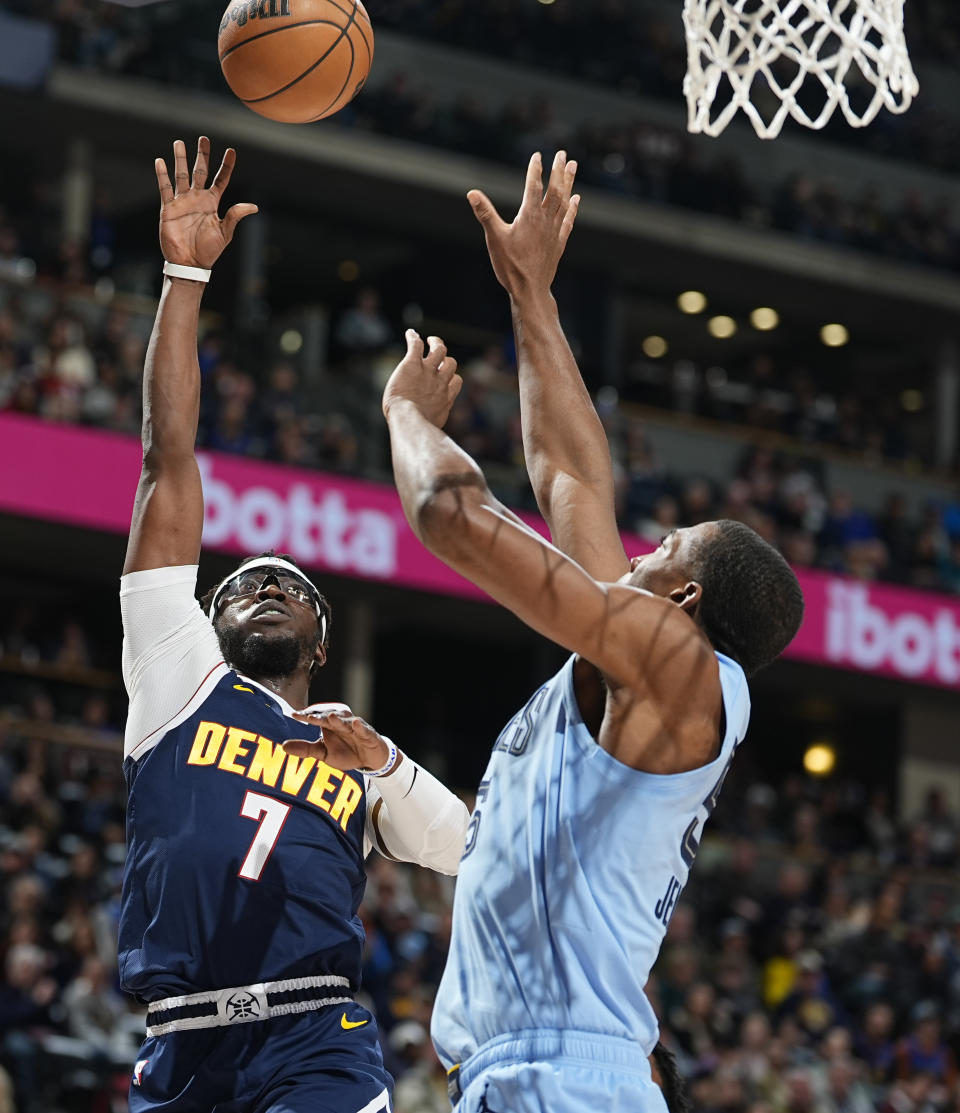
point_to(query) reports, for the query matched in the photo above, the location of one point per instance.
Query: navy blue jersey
(244, 863)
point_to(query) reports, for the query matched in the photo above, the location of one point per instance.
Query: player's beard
(272, 657)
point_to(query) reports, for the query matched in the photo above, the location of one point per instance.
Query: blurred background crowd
(71, 359)
(635, 47)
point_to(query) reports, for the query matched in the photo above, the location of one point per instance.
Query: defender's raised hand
(429, 381)
(191, 231)
(525, 253)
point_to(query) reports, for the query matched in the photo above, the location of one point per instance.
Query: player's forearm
(171, 377)
(421, 820)
(427, 466)
(562, 434)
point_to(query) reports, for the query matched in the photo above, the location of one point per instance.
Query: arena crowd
(81, 362)
(633, 47)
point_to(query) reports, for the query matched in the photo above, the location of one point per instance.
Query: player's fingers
(222, 180)
(533, 187)
(318, 718)
(483, 208)
(554, 197)
(455, 386)
(300, 747)
(435, 353)
(163, 181)
(569, 218)
(414, 344)
(180, 173)
(234, 215)
(201, 166)
(448, 367)
(569, 175)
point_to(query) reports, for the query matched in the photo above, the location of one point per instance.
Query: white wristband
(392, 758)
(178, 270)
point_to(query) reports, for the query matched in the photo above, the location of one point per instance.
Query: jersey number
(691, 844)
(271, 814)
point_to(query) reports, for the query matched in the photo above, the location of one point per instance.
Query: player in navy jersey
(247, 829)
(591, 810)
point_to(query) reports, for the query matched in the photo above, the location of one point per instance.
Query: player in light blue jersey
(590, 813)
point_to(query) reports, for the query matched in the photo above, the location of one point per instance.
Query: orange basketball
(295, 60)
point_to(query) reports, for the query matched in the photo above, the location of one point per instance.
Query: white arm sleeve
(171, 656)
(412, 817)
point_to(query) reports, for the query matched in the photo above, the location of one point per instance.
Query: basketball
(295, 60)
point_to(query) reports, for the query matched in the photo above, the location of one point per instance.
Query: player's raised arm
(168, 513)
(632, 636)
(564, 443)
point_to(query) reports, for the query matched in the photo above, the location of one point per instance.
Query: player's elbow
(447, 509)
(165, 457)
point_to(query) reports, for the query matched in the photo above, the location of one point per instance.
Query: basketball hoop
(790, 52)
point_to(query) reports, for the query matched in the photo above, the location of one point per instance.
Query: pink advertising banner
(87, 478)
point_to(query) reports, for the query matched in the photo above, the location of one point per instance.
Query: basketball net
(833, 43)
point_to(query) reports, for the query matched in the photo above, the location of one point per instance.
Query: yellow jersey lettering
(235, 748)
(206, 744)
(295, 773)
(345, 805)
(266, 762)
(323, 783)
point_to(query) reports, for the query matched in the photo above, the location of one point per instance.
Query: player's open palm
(525, 253)
(346, 741)
(191, 231)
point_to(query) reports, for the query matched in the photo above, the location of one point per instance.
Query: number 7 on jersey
(271, 815)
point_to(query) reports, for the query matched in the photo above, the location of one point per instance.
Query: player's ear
(319, 658)
(688, 597)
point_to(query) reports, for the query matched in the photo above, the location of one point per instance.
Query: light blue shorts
(558, 1072)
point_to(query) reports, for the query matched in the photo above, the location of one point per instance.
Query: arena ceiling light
(691, 301)
(764, 318)
(654, 346)
(834, 335)
(912, 401)
(820, 759)
(722, 327)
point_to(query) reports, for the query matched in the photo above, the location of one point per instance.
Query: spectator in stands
(363, 329)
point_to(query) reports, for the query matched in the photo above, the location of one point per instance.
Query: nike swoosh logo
(242, 688)
(348, 1024)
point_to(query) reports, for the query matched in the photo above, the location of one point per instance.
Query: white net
(799, 58)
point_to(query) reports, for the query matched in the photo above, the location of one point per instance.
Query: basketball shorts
(325, 1061)
(575, 1074)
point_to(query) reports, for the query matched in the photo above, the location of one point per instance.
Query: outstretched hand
(346, 741)
(430, 381)
(525, 254)
(191, 231)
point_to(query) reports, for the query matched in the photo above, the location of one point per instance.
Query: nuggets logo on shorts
(242, 1006)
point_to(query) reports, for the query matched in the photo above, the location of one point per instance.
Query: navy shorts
(325, 1061)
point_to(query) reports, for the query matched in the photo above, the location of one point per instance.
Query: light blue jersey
(572, 869)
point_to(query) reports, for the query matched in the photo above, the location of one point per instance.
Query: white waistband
(248, 1003)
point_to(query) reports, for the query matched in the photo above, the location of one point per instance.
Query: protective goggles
(255, 575)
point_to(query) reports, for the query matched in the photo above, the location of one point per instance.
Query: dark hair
(326, 611)
(752, 605)
(672, 1085)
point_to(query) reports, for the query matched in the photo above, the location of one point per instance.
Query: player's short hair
(325, 617)
(752, 605)
(672, 1084)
